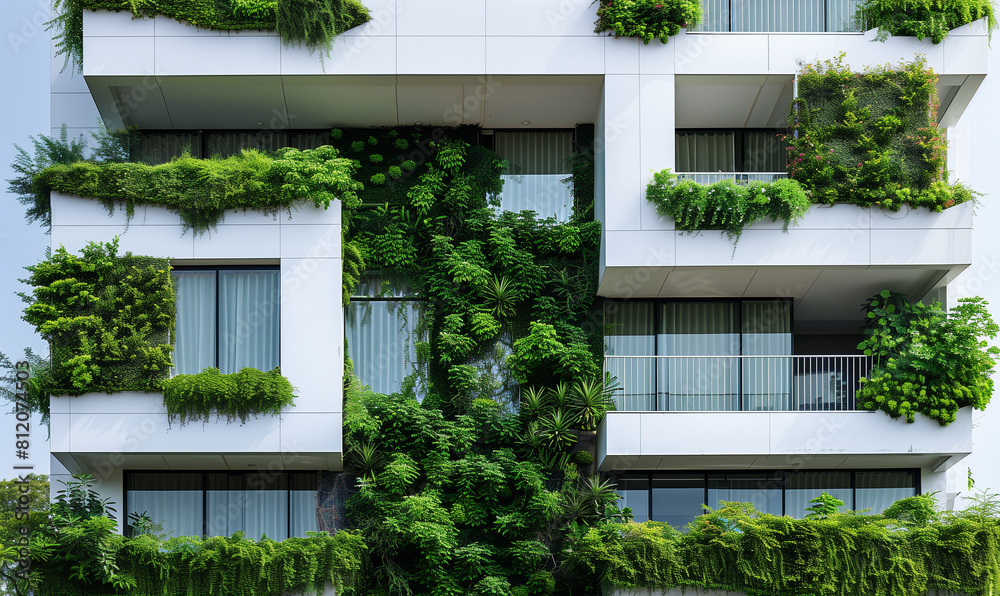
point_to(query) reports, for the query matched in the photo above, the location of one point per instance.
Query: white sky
(24, 111)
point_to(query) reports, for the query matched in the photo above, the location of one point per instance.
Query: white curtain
(303, 512)
(630, 327)
(253, 512)
(545, 194)
(537, 165)
(698, 329)
(767, 332)
(249, 333)
(381, 340)
(763, 152)
(759, 489)
(195, 327)
(704, 152)
(171, 499)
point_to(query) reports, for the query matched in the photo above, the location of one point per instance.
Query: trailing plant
(24, 511)
(202, 190)
(870, 138)
(107, 318)
(249, 392)
(312, 22)
(736, 548)
(646, 19)
(926, 360)
(725, 205)
(923, 18)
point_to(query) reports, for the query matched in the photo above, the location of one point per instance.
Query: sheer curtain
(802, 487)
(762, 490)
(698, 329)
(631, 334)
(171, 499)
(249, 333)
(254, 512)
(195, 326)
(704, 152)
(537, 166)
(878, 490)
(381, 339)
(767, 332)
(763, 152)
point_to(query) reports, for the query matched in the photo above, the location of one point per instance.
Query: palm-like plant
(559, 396)
(590, 401)
(556, 430)
(366, 459)
(532, 400)
(500, 298)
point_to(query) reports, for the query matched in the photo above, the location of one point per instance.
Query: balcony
(736, 383)
(779, 16)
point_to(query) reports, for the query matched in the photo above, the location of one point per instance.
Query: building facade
(737, 364)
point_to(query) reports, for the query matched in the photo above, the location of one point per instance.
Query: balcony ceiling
(316, 101)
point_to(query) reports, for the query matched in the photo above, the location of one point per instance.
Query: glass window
(633, 492)
(763, 490)
(729, 151)
(382, 333)
(878, 490)
(678, 499)
(802, 487)
(537, 165)
(227, 319)
(275, 504)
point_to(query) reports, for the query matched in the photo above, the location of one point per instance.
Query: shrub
(646, 19)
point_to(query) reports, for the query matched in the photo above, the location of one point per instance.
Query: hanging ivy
(237, 396)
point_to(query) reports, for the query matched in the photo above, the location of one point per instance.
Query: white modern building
(738, 364)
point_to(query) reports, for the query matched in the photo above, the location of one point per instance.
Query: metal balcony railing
(736, 383)
(779, 16)
(741, 177)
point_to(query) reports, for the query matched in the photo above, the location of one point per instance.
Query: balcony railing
(736, 383)
(740, 177)
(779, 16)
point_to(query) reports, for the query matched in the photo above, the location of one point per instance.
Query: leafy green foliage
(312, 22)
(725, 205)
(736, 548)
(236, 396)
(824, 506)
(24, 510)
(48, 151)
(107, 318)
(926, 360)
(870, 138)
(457, 505)
(923, 18)
(646, 19)
(202, 190)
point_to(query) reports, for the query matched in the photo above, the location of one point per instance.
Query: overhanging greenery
(312, 22)
(646, 19)
(107, 318)
(907, 552)
(870, 138)
(236, 396)
(923, 18)
(725, 205)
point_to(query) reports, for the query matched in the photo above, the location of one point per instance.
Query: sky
(24, 112)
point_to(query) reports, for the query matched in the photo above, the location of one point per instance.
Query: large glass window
(677, 497)
(700, 355)
(276, 504)
(537, 167)
(382, 333)
(227, 318)
(739, 150)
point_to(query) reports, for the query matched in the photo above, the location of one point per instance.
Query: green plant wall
(107, 318)
(870, 138)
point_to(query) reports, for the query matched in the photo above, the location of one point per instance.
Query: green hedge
(107, 318)
(240, 395)
(870, 138)
(201, 190)
(312, 22)
(725, 205)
